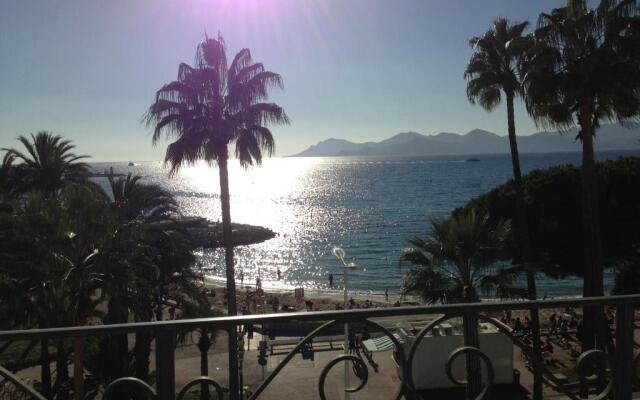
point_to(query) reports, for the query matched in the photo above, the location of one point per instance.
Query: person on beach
(365, 334)
(517, 326)
(330, 280)
(352, 342)
(386, 295)
(553, 324)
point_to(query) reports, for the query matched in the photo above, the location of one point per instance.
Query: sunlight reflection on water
(367, 206)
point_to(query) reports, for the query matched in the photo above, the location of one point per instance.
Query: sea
(368, 206)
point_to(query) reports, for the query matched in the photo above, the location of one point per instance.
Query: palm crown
(212, 105)
(49, 163)
(453, 262)
(584, 62)
(133, 199)
(493, 67)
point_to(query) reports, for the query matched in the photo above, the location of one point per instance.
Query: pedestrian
(279, 274)
(517, 326)
(258, 283)
(365, 334)
(172, 312)
(553, 321)
(352, 342)
(330, 280)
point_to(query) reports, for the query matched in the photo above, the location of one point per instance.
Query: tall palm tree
(48, 164)
(146, 254)
(493, 71)
(210, 106)
(584, 68)
(454, 263)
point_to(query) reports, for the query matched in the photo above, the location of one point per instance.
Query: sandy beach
(261, 301)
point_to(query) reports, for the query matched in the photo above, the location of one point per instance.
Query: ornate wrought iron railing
(616, 378)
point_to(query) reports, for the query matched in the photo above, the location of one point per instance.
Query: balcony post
(623, 366)
(165, 365)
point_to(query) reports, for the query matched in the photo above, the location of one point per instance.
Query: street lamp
(340, 254)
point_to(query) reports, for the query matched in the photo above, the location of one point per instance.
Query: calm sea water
(367, 206)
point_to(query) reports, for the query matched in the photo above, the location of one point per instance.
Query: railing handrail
(228, 322)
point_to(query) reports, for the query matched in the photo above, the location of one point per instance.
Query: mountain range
(477, 141)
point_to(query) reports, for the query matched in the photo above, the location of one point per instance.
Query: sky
(360, 70)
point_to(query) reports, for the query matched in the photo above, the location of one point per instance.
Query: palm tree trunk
(474, 368)
(78, 368)
(142, 351)
(45, 369)
(596, 331)
(231, 282)
(525, 245)
(116, 347)
(593, 285)
(62, 372)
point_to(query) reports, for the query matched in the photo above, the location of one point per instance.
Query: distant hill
(477, 141)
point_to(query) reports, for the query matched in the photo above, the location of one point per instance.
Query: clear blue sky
(355, 69)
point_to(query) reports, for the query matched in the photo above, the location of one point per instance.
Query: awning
(382, 343)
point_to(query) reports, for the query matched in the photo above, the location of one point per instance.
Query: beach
(332, 300)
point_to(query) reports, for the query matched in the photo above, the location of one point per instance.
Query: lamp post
(340, 254)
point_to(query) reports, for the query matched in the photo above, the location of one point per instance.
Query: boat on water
(473, 159)
(131, 164)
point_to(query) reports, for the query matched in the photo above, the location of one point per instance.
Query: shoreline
(324, 301)
(338, 293)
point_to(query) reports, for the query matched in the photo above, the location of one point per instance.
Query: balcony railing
(598, 373)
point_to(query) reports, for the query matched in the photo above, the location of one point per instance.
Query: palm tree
(209, 107)
(145, 254)
(493, 71)
(456, 260)
(132, 199)
(48, 164)
(583, 69)
(7, 184)
(454, 263)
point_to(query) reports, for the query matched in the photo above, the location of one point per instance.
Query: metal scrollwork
(346, 358)
(129, 381)
(473, 350)
(199, 381)
(414, 347)
(20, 384)
(582, 364)
(342, 358)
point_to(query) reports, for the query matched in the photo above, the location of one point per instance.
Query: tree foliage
(456, 261)
(553, 203)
